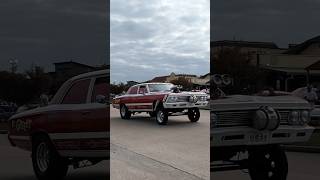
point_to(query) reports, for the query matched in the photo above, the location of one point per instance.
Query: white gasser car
(247, 133)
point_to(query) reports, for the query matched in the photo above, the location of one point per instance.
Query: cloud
(47, 31)
(157, 37)
(282, 22)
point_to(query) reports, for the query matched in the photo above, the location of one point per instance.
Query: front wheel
(194, 114)
(268, 163)
(47, 163)
(124, 112)
(161, 116)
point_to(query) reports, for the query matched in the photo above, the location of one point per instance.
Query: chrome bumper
(237, 136)
(185, 105)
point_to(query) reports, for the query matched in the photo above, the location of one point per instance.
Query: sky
(282, 22)
(151, 38)
(42, 32)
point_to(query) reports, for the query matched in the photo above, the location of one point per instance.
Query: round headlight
(260, 120)
(213, 120)
(305, 117)
(172, 99)
(294, 118)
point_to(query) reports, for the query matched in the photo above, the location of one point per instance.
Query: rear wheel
(47, 163)
(194, 114)
(161, 116)
(124, 112)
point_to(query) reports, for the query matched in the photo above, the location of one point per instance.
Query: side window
(77, 94)
(142, 90)
(100, 88)
(133, 90)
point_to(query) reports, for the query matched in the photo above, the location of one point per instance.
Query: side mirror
(101, 99)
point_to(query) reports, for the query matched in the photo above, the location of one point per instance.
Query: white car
(247, 131)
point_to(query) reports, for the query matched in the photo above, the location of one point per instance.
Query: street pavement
(142, 149)
(16, 164)
(301, 166)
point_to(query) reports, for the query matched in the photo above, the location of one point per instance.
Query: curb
(307, 149)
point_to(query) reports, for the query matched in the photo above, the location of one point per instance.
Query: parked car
(160, 100)
(73, 129)
(247, 132)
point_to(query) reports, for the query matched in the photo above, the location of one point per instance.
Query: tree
(184, 82)
(238, 65)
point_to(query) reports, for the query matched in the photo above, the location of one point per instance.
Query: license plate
(258, 138)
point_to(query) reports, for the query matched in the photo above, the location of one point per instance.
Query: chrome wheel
(43, 157)
(160, 116)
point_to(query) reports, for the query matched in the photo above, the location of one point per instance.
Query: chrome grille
(183, 98)
(244, 118)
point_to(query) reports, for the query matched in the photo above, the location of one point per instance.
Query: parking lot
(141, 149)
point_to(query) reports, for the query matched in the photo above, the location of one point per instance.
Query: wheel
(161, 116)
(152, 114)
(268, 163)
(47, 163)
(194, 114)
(124, 112)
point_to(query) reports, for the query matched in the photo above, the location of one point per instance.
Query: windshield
(160, 87)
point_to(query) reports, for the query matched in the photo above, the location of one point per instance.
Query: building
(68, 69)
(287, 68)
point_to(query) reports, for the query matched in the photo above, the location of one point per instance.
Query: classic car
(72, 129)
(160, 100)
(247, 132)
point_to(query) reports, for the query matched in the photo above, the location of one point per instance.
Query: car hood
(241, 102)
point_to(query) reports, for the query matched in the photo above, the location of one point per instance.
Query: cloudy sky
(156, 37)
(47, 31)
(282, 22)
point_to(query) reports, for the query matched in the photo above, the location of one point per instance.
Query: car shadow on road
(152, 121)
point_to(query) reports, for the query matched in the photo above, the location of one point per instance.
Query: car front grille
(244, 118)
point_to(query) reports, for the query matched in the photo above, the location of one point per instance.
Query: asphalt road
(141, 149)
(15, 164)
(301, 166)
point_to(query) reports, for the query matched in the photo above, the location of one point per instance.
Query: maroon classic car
(160, 100)
(72, 129)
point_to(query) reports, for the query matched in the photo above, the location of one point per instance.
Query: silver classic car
(247, 131)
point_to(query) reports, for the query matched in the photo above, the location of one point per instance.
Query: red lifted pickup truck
(73, 129)
(160, 100)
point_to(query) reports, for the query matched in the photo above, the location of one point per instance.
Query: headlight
(305, 117)
(213, 120)
(172, 99)
(294, 118)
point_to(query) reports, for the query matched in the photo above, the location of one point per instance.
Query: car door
(143, 99)
(79, 126)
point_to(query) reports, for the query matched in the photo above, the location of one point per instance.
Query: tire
(152, 114)
(194, 114)
(161, 116)
(47, 163)
(124, 112)
(268, 163)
